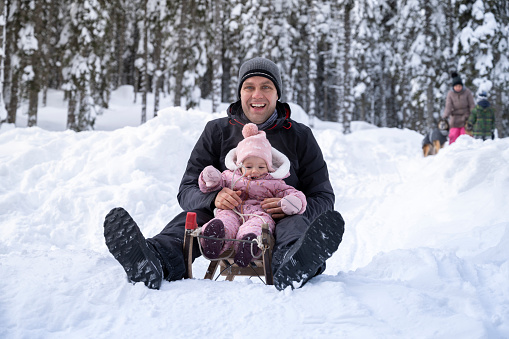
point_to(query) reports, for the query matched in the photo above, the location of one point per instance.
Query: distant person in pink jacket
(458, 105)
(256, 172)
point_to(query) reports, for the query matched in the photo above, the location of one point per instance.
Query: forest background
(386, 62)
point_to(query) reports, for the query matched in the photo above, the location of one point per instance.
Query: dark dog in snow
(435, 139)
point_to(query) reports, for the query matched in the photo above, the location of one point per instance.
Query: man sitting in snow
(301, 246)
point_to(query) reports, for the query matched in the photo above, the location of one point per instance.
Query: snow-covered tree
(387, 62)
(83, 67)
(231, 45)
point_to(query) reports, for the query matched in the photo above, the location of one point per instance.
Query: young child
(257, 170)
(482, 119)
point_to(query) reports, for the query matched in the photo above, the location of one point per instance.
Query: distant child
(458, 105)
(256, 170)
(482, 118)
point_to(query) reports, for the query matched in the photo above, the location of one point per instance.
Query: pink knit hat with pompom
(255, 144)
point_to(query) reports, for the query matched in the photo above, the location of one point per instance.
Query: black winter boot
(127, 244)
(306, 258)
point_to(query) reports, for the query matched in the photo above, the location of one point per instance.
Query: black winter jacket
(308, 172)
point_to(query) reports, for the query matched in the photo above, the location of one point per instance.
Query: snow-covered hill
(424, 254)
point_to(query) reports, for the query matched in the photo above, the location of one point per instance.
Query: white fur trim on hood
(280, 163)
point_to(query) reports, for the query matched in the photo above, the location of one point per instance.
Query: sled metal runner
(261, 267)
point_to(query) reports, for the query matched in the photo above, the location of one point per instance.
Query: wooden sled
(261, 267)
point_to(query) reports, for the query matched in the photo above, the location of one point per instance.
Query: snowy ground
(425, 252)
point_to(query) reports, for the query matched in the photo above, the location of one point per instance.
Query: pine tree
(386, 62)
(363, 50)
(83, 66)
(49, 34)
(283, 46)
(190, 63)
(118, 11)
(159, 20)
(232, 55)
(500, 72)
(184, 10)
(484, 41)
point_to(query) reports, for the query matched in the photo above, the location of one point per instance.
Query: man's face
(258, 96)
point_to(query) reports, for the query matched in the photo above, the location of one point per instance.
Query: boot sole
(321, 240)
(127, 244)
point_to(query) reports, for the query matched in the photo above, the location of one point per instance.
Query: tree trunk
(499, 106)
(383, 98)
(182, 38)
(71, 110)
(217, 61)
(33, 102)
(429, 105)
(34, 85)
(145, 66)
(157, 59)
(3, 20)
(12, 71)
(120, 47)
(13, 103)
(347, 99)
(312, 62)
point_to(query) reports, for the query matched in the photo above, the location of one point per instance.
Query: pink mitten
(290, 205)
(211, 176)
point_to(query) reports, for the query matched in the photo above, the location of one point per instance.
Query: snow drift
(424, 252)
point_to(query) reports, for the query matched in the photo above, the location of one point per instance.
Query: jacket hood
(237, 116)
(280, 163)
(484, 103)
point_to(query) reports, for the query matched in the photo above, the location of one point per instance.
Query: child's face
(254, 167)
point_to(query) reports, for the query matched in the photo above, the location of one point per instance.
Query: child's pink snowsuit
(254, 191)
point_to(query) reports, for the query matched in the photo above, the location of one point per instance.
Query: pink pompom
(249, 130)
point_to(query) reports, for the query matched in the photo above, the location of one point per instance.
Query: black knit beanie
(260, 67)
(456, 79)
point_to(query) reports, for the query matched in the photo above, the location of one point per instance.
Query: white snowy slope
(425, 252)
